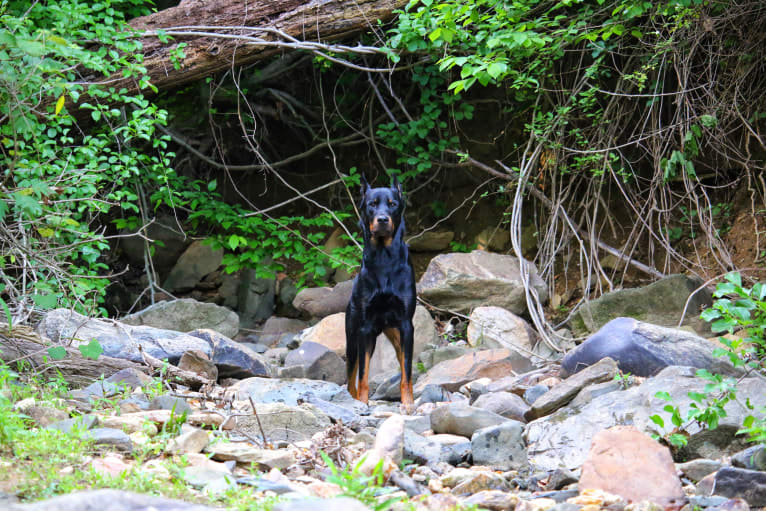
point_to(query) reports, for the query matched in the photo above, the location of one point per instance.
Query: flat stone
(320, 302)
(697, 469)
(111, 438)
(232, 359)
(500, 447)
(118, 500)
(289, 392)
(334, 504)
(643, 349)
(494, 327)
(564, 392)
(199, 363)
(191, 441)
(461, 419)
(420, 449)
(82, 423)
(752, 458)
(493, 500)
(186, 314)
(283, 422)
(431, 357)
(462, 282)
(741, 483)
(318, 362)
(506, 404)
(626, 462)
(111, 466)
(264, 459)
(590, 392)
(453, 374)
(168, 402)
(197, 261)
(481, 481)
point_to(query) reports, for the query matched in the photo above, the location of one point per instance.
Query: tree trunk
(317, 20)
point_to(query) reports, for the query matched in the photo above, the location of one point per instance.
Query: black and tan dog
(383, 298)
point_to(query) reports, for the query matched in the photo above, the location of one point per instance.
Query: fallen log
(225, 22)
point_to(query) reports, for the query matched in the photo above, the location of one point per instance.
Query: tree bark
(318, 20)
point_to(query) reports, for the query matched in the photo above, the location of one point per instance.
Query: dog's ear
(396, 185)
(365, 185)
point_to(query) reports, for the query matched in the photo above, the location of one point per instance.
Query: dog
(383, 296)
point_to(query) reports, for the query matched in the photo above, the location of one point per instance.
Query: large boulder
(660, 303)
(462, 282)
(453, 374)
(316, 362)
(562, 439)
(197, 261)
(430, 241)
(643, 349)
(108, 500)
(289, 392)
(186, 314)
(233, 360)
(283, 422)
(255, 297)
(319, 302)
(67, 327)
(464, 420)
(169, 244)
(500, 447)
(495, 327)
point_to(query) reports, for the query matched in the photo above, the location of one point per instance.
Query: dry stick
(258, 419)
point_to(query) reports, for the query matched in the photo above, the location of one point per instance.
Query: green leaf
(211, 186)
(496, 69)
(57, 352)
(433, 36)
(91, 350)
(663, 395)
(657, 420)
(8, 317)
(709, 121)
(45, 302)
(59, 105)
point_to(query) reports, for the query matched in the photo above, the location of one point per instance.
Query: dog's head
(381, 210)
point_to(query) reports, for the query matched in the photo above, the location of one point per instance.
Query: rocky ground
(504, 420)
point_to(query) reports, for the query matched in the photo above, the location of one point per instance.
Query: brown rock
(319, 302)
(430, 241)
(199, 363)
(329, 332)
(564, 392)
(111, 466)
(453, 374)
(626, 462)
(494, 500)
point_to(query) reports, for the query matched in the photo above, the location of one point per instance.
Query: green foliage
(354, 483)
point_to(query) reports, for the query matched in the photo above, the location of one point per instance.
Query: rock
(319, 302)
(590, 392)
(289, 392)
(493, 500)
(329, 332)
(130, 378)
(560, 478)
(461, 419)
(452, 374)
(286, 292)
(389, 441)
(720, 442)
(752, 458)
(430, 358)
(735, 482)
(539, 504)
(168, 402)
(643, 349)
(420, 449)
(274, 327)
(197, 261)
(264, 459)
(433, 394)
(169, 242)
(191, 441)
(186, 314)
(561, 394)
(563, 438)
(317, 362)
(283, 422)
(43, 416)
(462, 282)
(232, 359)
(110, 437)
(500, 447)
(334, 504)
(626, 462)
(388, 389)
(660, 303)
(534, 392)
(82, 423)
(699, 468)
(430, 241)
(506, 404)
(110, 466)
(199, 363)
(347, 413)
(69, 328)
(481, 481)
(109, 500)
(494, 327)
(255, 298)
(493, 238)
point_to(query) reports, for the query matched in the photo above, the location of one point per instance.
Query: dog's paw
(407, 408)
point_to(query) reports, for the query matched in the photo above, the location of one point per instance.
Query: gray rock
(417, 423)
(261, 484)
(67, 327)
(130, 378)
(433, 394)
(461, 419)
(197, 261)
(494, 327)
(255, 298)
(169, 243)
(286, 292)
(192, 440)
(264, 459)
(256, 347)
(713, 443)
(590, 392)
(506, 404)
(289, 392)
(384, 358)
(283, 422)
(318, 362)
(560, 478)
(534, 392)
(274, 327)
(168, 402)
(82, 423)
(699, 468)
(319, 302)
(660, 303)
(389, 389)
(561, 394)
(420, 449)
(430, 358)
(742, 483)
(232, 359)
(337, 412)
(110, 437)
(109, 500)
(430, 241)
(643, 349)
(500, 447)
(563, 438)
(462, 282)
(752, 458)
(186, 314)
(334, 504)
(199, 363)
